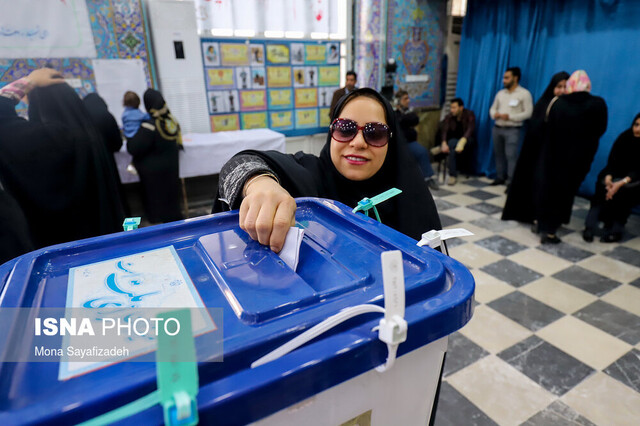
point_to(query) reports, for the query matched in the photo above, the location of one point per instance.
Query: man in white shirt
(511, 107)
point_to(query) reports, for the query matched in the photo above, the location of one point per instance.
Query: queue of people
(58, 177)
(556, 156)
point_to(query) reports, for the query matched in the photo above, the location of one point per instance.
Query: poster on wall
(284, 85)
(226, 122)
(253, 100)
(278, 76)
(325, 95)
(281, 120)
(219, 78)
(45, 29)
(211, 54)
(297, 53)
(258, 78)
(306, 98)
(315, 54)
(222, 101)
(243, 77)
(333, 53)
(280, 98)
(234, 53)
(257, 54)
(328, 76)
(254, 120)
(306, 118)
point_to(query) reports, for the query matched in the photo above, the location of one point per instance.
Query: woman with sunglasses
(363, 157)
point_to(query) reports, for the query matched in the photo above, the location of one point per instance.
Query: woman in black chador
(363, 157)
(520, 204)
(55, 164)
(155, 156)
(575, 123)
(617, 187)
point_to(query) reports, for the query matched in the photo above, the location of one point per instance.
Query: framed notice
(328, 76)
(325, 118)
(306, 118)
(277, 53)
(285, 85)
(253, 100)
(225, 122)
(306, 98)
(315, 54)
(281, 120)
(254, 120)
(234, 53)
(220, 78)
(281, 98)
(278, 76)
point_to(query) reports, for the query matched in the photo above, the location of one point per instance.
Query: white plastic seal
(434, 238)
(392, 329)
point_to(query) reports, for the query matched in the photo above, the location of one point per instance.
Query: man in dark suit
(350, 85)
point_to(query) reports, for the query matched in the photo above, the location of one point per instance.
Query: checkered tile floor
(555, 336)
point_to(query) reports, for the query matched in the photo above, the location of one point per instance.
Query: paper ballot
(290, 253)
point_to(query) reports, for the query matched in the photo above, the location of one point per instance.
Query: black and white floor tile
(555, 336)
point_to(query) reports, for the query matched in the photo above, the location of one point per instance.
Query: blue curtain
(543, 37)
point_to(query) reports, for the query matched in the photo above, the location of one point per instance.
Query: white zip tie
(317, 330)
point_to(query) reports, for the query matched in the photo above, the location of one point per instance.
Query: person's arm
(493, 111)
(141, 143)
(235, 174)
(267, 210)
(39, 78)
(471, 125)
(445, 128)
(527, 109)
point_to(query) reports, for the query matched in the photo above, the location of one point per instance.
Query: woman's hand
(608, 181)
(613, 189)
(267, 212)
(45, 77)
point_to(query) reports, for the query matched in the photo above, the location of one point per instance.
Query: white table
(206, 153)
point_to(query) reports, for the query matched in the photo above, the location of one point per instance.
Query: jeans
(505, 147)
(421, 155)
(453, 167)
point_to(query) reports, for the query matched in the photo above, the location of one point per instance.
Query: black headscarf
(540, 108)
(624, 157)
(60, 172)
(165, 122)
(413, 212)
(104, 121)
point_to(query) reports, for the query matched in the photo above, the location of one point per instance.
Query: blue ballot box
(263, 304)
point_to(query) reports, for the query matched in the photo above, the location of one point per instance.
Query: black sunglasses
(374, 134)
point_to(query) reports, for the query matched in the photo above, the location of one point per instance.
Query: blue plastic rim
(264, 303)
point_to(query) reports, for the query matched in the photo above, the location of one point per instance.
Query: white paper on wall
(114, 77)
(45, 29)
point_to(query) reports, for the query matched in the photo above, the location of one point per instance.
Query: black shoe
(550, 239)
(611, 237)
(497, 182)
(587, 235)
(534, 227)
